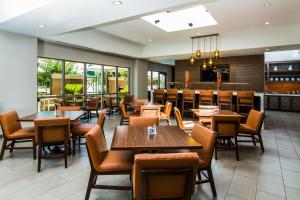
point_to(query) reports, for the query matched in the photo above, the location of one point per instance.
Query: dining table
(165, 138)
(205, 115)
(73, 115)
(137, 105)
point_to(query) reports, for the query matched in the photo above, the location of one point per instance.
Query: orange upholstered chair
(150, 111)
(92, 105)
(81, 129)
(226, 127)
(225, 99)
(187, 126)
(164, 176)
(159, 95)
(143, 121)
(13, 131)
(104, 161)
(52, 132)
(166, 114)
(206, 97)
(252, 128)
(68, 108)
(245, 99)
(188, 101)
(172, 96)
(125, 115)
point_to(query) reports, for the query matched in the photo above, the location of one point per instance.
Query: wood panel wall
(248, 69)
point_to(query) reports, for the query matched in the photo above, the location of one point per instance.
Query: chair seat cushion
(204, 98)
(23, 133)
(82, 128)
(246, 129)
(116, 161)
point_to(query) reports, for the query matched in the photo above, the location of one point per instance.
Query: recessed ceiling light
(149, 40)
(189, 18)
(267, 49)
(117, 3)
(267, 23)
(267, 4)
(41, 25)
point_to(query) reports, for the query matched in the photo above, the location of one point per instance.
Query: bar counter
(282, 102)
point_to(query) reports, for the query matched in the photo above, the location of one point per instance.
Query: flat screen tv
(210, 74)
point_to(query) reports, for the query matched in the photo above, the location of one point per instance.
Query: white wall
(18, 73)
(140, 78)
(274, 56)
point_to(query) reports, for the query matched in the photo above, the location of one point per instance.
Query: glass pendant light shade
(204, 65)
(210, 61)
(198, 53)
(216, 54)
(192, 60)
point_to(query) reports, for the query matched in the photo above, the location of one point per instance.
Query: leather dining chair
(164, 176)
(50, 132)
(226, 127)
(166, 114)
(206, 97)
(143, 121)
(81, 129)
(159, 95)
(92, 105)
(13, 132)
(104, 161)
(68, 108)
(252, 128)
(225, 99)
(188, 101)
(150, 111)
(186, 126)
(172, 96)
(125, 115)
(245, 99)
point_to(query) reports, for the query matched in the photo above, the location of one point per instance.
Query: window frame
(159, 73)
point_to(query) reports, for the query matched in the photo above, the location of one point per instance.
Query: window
(74, 78)
(123, 83)
(156, 80)
(93, 79)
(109, 80)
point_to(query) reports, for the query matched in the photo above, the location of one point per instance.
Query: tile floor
(272, 175)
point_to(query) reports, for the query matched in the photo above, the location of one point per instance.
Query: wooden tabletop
(137, 138)
(137, 106)
(73, 115)
(221, 112)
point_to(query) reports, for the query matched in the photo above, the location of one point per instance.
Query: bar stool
(245, 99)
(206, 97)
(172, 96)
(225, 99)
(159, 96)
(188, 97)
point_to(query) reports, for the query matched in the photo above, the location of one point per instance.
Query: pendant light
(216, 53)
(210, 60)
(192, 59)
(204, 63)
(198, 52)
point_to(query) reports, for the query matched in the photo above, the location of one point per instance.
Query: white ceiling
(99, 25)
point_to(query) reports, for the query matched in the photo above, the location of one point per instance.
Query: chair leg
(261, 143)
(199, 175)
(3, 148)
(216, 156)
(39, 157)
(89, 186)
(253, 140)
(33, 149)
(211, 181)
(236, 148)
(74, 144)
(66, 153)
(12, 146)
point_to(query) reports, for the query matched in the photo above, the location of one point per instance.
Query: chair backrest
(172, 94)
(143, 121)
(94, 103)
(51, 130)
(150, 111)
(168, 109)
(164, 176)
(245, 97)
(96, 146)
(128, 99)
(207, 138)
(188, 95)
(224, 96)
(178, 118)
(10, 123)
(206, 97)
(68, 108)
(123, 110)
(255, 119)
(101, 118)
(159, 94)
(140, 101)
(106, 102)
(226, 125)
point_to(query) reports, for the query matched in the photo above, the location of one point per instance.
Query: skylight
(182, 20)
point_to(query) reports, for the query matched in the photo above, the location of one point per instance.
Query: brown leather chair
(172, 96)
(150, 111)
(166, 114)
(252, 128)
(159, 96)
(187, 126)
(13, 132)
(68, 108)
(188, 101)
(226, 127)
(125, 115)
(92, 105)
(49, 132)
(245, 99)
(127, 101)
(206, 97)
(225, 99)
(81, 129)
(143, 121)
(164, 176)
(137, 103)
(104, 161)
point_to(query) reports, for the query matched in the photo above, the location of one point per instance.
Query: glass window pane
(49, 77)
(94, 79)
(109, 81)
(123, 76)
(155, 80)
(162, 81)
(149, 80)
